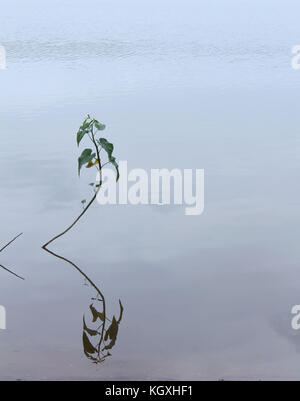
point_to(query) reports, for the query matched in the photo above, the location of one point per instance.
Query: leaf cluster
(99, 352)
(92, 128)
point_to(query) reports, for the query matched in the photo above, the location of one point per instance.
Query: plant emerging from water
(89, 158)
(105, 337)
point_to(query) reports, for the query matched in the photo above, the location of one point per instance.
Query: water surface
(195, 84)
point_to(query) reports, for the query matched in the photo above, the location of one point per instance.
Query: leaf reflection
(98, 340)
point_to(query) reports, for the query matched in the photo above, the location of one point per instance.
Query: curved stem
(88, 205)
(74, 222)
(80, 271)
(92, 284)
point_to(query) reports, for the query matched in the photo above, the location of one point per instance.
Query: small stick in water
(5, 268)
(10, 271)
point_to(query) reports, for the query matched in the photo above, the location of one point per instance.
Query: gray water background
(194, 84)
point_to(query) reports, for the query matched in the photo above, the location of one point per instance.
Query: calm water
(195, 84)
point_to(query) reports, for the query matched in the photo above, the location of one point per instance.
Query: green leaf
(99, 126)
(80, 135)
(115, 164)
(107, 146)
(85, 157)
(86, 123)
(83, 201)
(84, 129)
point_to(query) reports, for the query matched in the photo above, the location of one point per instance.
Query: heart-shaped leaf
(80, 135)
(85, 157)
(107, 146)
(99, 126)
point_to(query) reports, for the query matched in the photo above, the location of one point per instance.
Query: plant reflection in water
(97, 341)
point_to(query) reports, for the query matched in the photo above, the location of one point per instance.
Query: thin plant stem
(74, 222)
(88, 205)
(91, 283)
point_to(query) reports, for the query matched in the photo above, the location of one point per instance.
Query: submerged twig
(10, 271)
(5, 268)
(5, 246)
